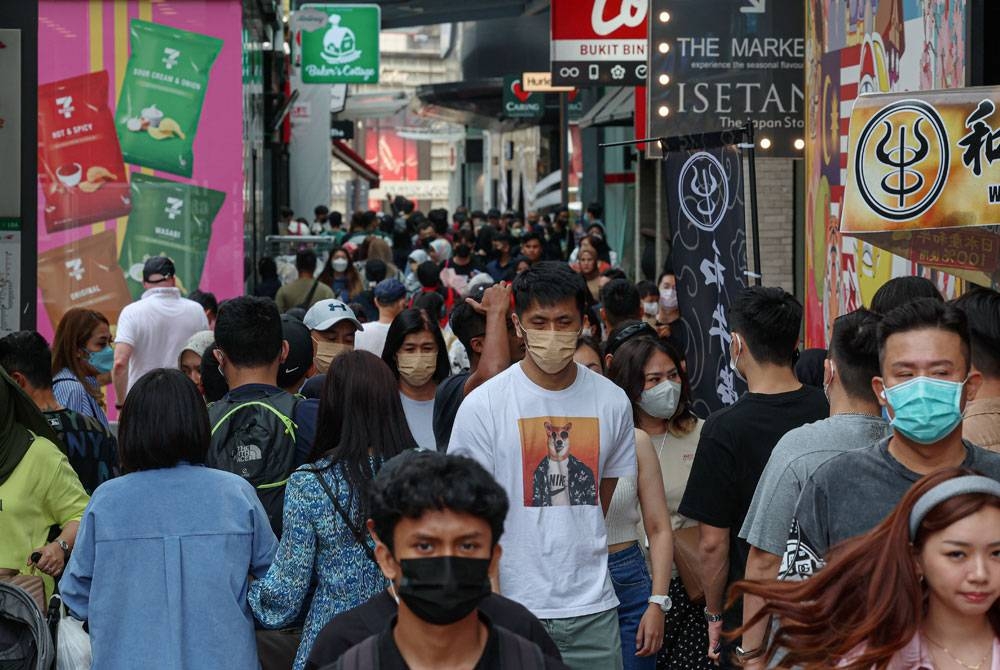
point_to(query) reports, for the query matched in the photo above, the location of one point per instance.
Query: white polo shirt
(158, 326)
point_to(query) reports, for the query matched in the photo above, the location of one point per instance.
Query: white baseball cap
(327, 313)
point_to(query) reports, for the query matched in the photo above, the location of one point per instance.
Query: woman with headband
(918, 592)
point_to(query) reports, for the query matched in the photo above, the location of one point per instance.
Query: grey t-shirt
(420, 418)
(796, 456)
(849, 495)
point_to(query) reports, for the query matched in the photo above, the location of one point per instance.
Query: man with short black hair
(531, 247)
(482, 325)
(981, 424)
(90, 447)
(262, 444)
(926, 381)
(502, 267)
(899, 291)
(619, 302)
(153, 331)
(737, 441)
(855, 422)
(555, 435)
(437, 522)
(390, 299)
(305, 291)
(321, 213)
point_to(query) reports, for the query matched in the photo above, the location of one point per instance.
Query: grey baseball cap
(327, 313)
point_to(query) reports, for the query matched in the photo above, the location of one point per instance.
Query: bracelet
(712, 618)
(119, 407)
(750, 654)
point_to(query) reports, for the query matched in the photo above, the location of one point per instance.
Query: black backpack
(255, 439)
(516, 653)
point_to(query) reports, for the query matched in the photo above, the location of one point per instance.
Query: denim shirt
(160, 569)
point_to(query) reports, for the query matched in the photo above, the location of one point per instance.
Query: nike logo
(291, 370)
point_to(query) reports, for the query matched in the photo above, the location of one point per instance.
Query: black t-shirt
(734, 447)
(464, 270)
(376, 616)
(90, 447)
(447, 399)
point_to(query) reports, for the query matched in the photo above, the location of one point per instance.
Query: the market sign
(519, 103)
(598, 42)
(708, 74)
(923, 178)
(340, 43)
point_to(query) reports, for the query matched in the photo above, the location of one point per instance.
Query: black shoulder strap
(518, 652)
(355, 531)
(309, 296)
(362, 656)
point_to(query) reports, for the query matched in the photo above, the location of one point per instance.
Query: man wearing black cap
(390, 299)
(153, 331)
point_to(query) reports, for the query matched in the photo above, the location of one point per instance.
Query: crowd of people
(470, 442)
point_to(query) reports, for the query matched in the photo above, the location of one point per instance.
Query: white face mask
(735, 360)
(668, 298)
(661, 400)
(339, 264)
(651, 308)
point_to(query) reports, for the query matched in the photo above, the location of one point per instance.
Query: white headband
(946, 490)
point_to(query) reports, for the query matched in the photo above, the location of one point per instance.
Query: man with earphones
(926, 380)
(737, 441)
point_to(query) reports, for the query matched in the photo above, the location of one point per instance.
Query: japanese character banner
(705, 206)
(923, 178)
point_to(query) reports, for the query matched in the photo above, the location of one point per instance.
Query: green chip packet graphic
(162, 95)
(168, 219)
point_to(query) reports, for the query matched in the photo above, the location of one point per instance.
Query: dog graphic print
(560, 457)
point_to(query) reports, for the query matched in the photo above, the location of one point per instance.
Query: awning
(614, 109)
(351, 159)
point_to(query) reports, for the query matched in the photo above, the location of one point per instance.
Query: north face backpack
(255, 439)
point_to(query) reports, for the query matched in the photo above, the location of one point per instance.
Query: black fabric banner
(705, 207)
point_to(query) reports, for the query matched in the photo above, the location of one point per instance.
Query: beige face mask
(552, 350)
(326, 352)
(416, 368)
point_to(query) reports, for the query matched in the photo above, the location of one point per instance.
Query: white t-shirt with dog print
(549, 450)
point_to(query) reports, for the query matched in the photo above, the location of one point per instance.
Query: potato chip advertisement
(140, 149)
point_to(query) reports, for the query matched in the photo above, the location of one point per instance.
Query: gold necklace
(962, 663)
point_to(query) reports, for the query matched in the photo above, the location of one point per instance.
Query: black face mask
(462, 251)
(443, 589)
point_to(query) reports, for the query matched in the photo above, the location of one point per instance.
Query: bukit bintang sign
(599, 42)
(340, 43)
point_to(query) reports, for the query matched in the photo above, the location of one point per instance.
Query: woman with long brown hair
(81, 362)
(920, 590)
(341, 275)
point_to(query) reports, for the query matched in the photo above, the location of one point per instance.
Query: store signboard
(519, 103)
(923, 178)
(598, 42)
(340, 43)
(707, 75)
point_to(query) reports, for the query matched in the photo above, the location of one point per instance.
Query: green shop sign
(340, 43)
(520, 104)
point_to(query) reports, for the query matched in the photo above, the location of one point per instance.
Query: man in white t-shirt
(153, 331)
(556, 436)
(390, 299)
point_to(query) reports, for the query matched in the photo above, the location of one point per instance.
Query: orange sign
(926, 160)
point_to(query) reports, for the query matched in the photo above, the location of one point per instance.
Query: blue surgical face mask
(102, 360)
(924, 409)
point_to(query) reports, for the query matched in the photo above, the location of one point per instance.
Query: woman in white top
(653, 377)
(416, 353)
(642, 599)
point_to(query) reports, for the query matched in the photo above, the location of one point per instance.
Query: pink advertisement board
(139, 150)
